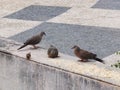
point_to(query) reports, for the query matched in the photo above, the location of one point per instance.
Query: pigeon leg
(34, 47)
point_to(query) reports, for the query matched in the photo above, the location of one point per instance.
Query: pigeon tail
(22, 47)
(100, 60)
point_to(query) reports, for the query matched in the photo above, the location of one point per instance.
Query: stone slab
(38, 13)
(65, 63)
(108, 4)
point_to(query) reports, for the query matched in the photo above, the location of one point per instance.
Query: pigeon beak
(72, 48)
(45, 34)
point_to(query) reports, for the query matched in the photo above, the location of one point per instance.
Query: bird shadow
(85, 61)
(31, 48)
(54, 57)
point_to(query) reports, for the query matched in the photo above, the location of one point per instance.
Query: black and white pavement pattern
(95, 27)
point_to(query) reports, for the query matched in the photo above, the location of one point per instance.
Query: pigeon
(33, 40)
(52, 52)
(28, 56)
(85, 55)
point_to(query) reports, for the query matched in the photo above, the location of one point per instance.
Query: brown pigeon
(33, 40)
(52, 52)
(85, 55)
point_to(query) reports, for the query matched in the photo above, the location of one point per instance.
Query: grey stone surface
(38, 13)
(99, 40)
(108, 4)
(20, 74)
(3, 44)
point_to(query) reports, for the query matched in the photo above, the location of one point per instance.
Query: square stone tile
(10, 27)
(89, 17)
(38, 13)
(108, 4)
(99, 40)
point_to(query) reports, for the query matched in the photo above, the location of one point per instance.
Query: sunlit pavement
(93, 25)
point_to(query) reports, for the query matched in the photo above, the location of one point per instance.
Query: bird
(33, 40)
(28, 56)
(52, 52)
(85, 55)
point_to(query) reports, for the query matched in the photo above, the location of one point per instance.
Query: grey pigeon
(85, 55)
(33, 40)
(52, 52)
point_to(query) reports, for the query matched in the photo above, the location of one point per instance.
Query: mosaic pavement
(93, 25)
